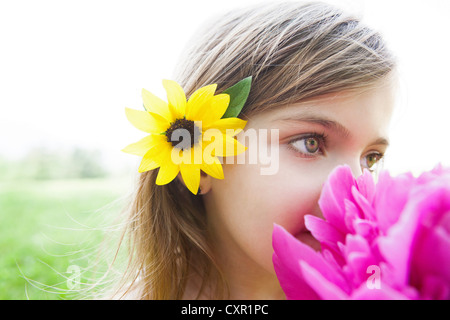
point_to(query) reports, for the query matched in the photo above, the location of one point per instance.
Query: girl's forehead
(355, 103)
(346, 113)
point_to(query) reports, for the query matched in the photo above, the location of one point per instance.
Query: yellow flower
(185, 136)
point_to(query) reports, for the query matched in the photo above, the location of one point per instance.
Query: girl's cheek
(296, 202)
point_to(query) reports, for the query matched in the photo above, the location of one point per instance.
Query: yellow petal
(217, 108)
(193, 155)
(146, 121)
(155, 105)
(176, 98)
(200, 102)
(231, 147)
(214, 169)
(161, 124)
(157, 154)
(167, 173)
(141, 147)
(235, 124)
(191, 176)
(148, 164)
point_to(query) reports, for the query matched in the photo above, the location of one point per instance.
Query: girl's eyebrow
(329, 124)
(320, 120)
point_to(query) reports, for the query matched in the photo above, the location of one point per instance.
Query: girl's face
(314, 138)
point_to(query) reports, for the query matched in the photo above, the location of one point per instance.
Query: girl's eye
(371, 161)
(309, 145)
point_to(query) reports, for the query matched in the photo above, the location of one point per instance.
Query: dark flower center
(183, 134)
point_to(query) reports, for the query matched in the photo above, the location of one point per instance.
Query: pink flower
(389, 240)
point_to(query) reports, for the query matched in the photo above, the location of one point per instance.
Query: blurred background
(69, 68)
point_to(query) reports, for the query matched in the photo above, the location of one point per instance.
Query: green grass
(48, 228)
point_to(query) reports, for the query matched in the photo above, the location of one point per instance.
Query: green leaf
(238, 96)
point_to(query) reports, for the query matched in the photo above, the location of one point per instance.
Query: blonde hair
(294, 51)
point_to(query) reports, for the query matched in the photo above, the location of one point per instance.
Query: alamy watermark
(263, 147)
(74, 277)
(374, 280)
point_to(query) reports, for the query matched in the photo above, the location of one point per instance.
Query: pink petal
(322, 230)
(398, 245)
(359, 257)
(363, 203)
(332, 253)
(367, 229)
(336, 189)
(432, 254)
(328, 236)
(366, 186)
(438, 172)
(288, 252)
(396, 249)
(445, 222)
(351, 213)
(384, 293)
(435, 288)
(405, 238)
(390, 198)
(356, 243)
(292, 282)
(325, 289)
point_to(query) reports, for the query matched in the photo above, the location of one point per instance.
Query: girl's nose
(356, 170)
(355, 165)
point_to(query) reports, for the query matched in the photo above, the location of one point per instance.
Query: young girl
(324, 82)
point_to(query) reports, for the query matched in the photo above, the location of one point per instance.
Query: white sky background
(69, 68)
